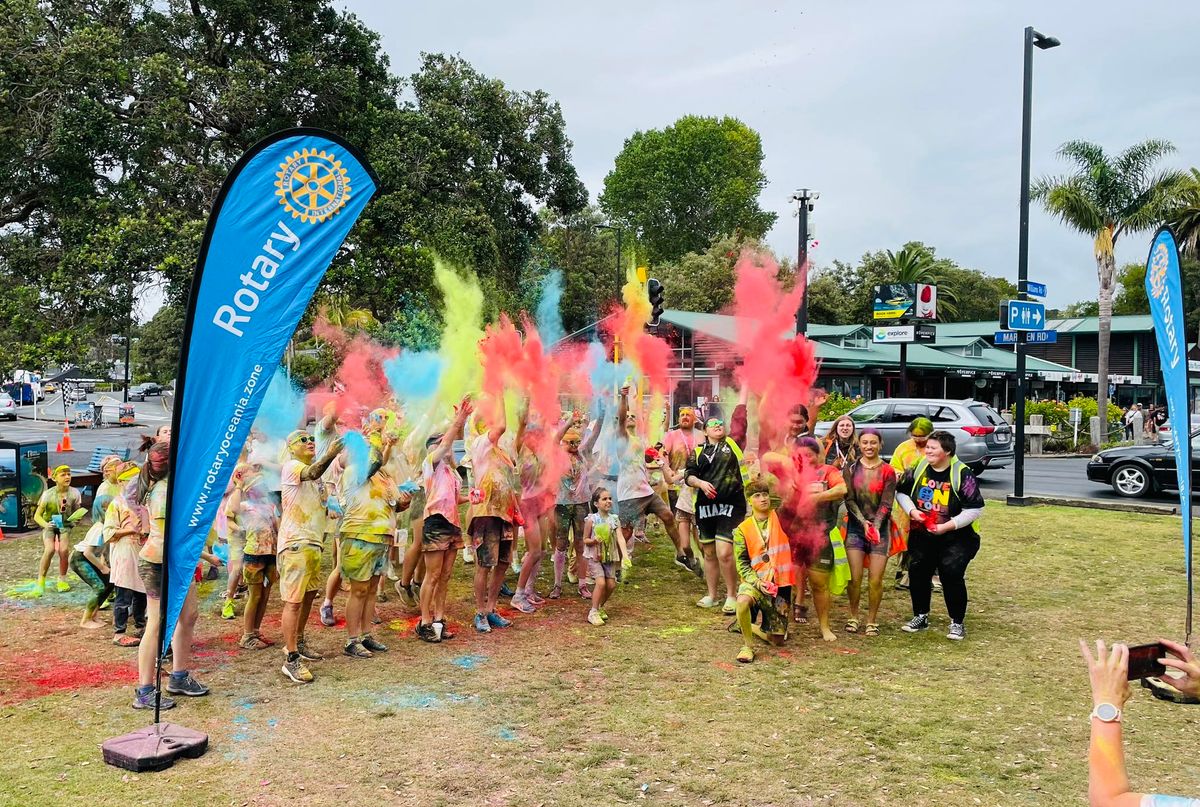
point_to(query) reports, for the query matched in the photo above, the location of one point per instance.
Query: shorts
(492, 538)
(856, 539)
(151, 574)
(719, 525)
(570, 521)
(601, 571)
(824, 561)
(774, 610)
(257, 567)
(630, 510)
(362, 560)
(50, 535)
(439, 535)
(299, 572)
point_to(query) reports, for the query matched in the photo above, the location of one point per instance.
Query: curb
(1099, 504)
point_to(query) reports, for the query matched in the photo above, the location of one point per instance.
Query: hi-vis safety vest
(956, 469)
(770, 554)
(743, 468)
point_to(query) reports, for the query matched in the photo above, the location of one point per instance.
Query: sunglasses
(305, 440)
(714, 422)
(571, 442)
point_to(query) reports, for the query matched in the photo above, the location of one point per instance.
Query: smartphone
(1143, 661)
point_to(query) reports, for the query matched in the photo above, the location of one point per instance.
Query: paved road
(1063, 477)
(150, 414)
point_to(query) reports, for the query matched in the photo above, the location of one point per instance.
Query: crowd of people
(761, 526)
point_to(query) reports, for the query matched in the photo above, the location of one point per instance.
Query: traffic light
(654, 288)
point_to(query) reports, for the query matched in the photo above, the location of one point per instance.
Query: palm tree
(914, 264)
(337, 309)
(1185, 218)
(1104, 198)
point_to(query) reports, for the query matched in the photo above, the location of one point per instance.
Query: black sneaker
(428, 633)
(369, 642)
(444, 632)
(958, 631)
(187, 685)
(145, 700)
(696, 566)
(306, 652)
(917, 624)
(506, 590)
(682, 562)
(356, 650)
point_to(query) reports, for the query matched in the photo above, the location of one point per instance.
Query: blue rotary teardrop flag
(280, 218)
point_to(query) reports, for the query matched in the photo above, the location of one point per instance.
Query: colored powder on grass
(470, 662)
(241, 720)
(35, 676)
(549, 314)
(678, 630)
(505, 733)
(406, 625)
(282, 408)
(272, 722)
(410, 698)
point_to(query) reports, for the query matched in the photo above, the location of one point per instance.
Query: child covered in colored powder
(604, 547)
(763, 558)
(58, 511)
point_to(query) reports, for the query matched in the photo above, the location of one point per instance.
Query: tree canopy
(680, 188)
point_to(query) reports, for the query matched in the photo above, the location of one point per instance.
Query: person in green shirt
(58, 510)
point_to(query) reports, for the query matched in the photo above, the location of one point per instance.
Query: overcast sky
(906, 117)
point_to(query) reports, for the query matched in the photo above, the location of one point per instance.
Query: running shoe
(227, 610)
(696, 566)
(937, 585)
(706, 602)
(39, 588)
(594, 617)
(521, 604)
(428, 633)
(506, 590)
(391, 574)
(124, 640)
(355, 649)
(145, 700)
(730, 606)
(682, 562)
(372, 644)
(535, 598)
(604, 614)
(497, 621)
(186, 685)
(555, 592)
(406, 595)
(902, 581)
(468, 555)
(63, 586)
(327, 616)
(585, 592)
(264, 639)
(917, 624)
(958, 631)
(745, 655)
(481, 624)
(443, 629)
(572, 578)
(306, 652)
(294, 669)
(252, 642)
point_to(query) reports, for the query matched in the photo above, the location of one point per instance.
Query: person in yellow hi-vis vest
(905, 458)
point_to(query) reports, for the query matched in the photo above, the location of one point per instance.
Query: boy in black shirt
(717, 469)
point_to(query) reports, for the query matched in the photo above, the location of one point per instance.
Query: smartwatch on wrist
(1106, 713)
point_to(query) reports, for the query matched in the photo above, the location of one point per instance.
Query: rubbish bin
(23, 474)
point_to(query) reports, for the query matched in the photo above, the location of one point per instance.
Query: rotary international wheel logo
(312, 185)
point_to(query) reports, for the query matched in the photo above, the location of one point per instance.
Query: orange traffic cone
(1, 533)
(66, 441)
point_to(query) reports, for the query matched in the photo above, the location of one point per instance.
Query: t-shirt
(366, 510)
(52, 503)
(906, 456)
(258, 520)
(303, 518)
(604, 530)
(441, 483)
(679, 444)
(156, 503)
(869, 493)
(934, 493)
(633, 480)
(496, 482)
(717, 463)
(1153, 800)
(94, 537)
(575, 487)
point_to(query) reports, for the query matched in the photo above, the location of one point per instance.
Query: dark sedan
(1136, 471)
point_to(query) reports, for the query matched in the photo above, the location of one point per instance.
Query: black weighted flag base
(154, 748)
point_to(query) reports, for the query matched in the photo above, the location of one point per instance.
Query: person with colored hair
(717, 469)
(870, 492)
(57, 513)
(111, 468)
(604, 549)
(441, 537)
(300, 544)
(250, 512)
(840, 446)
(678, 444)
(905, 457)
(766, 573)
(943, 501)
(493, 514)
(810, 493)
(571, 507)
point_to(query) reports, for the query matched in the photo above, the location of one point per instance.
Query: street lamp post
(1043, 42)
(806, 198)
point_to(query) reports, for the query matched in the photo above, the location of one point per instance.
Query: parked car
(1137, 471)
(984, 439)
(1164, 431)
(8, 407)
(49, 388)
(139, 392)
(74, 394)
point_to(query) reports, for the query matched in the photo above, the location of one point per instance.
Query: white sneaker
(706, 602)
(595, 618)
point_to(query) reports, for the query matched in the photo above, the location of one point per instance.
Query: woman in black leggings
(941, 496)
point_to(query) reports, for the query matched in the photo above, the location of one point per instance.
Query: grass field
(648, 709)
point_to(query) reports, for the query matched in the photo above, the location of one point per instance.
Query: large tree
(680, 188)
(1184, 216)
(120, 118)
(1105, 197)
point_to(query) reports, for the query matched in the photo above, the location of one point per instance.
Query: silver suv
(984, 439)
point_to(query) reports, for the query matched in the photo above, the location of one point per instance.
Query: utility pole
(806, 198)
(1032, 38)
(620, 275)
(128, 335)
